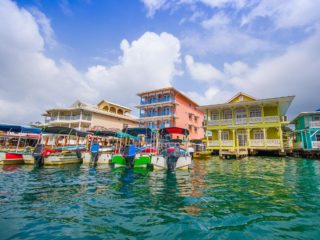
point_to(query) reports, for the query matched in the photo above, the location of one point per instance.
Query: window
(225, 135)
(240, 98)
(318, 137)
(190, 116)
(316, 118)
(258, 134)
(241, 113)
(227, 114)
(195, 118)
(214, 115)
(195, 129)
(255, 112)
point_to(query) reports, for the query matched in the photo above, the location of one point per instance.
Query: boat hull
(28, 159)
(61, 160)
(160, 162)
(8, 158)
(140, 161)
(103, 158)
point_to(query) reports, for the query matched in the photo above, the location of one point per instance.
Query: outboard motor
(38, 155)
(129, 155)
(78, 153)
(172, 158)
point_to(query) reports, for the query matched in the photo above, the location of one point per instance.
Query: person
(94, 151)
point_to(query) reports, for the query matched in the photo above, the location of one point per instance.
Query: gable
(241, 97)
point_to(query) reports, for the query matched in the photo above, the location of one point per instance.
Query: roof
(239, 94)
(78, 105)
(114, 104)
(286, 101)
(168, 89)
(64, 131)
(305, 114)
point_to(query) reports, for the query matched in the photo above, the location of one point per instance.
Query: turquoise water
(265, 198)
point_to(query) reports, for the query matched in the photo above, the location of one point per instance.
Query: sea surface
(254, 198)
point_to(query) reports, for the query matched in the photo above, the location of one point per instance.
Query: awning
(173, 130)
(64, 131)
(126, 135)
(138, 131)
(19, 129)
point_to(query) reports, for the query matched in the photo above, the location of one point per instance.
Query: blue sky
(55, 52)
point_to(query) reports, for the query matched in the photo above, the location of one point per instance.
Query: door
(242, 139)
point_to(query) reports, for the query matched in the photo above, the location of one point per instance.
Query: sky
(53, 53)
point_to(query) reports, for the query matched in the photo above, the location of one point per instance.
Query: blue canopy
(18, 128)
(138, 131)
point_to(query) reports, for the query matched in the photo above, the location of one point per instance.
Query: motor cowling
(129, 155)
(38, 155)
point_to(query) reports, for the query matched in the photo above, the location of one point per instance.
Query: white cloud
(202, 72)
(286, 14)
(222, 3)
(219, 20)
(45, 27)
(153, 5)
(32, 82)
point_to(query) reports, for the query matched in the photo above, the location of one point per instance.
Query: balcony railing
(316, 144)
(241, 121)
(213, 122)
(273, 143)
(314, 124)
(157, 100)
(271, 118)
(214, 143)
(257, 142)
(227, 143)
(226, 122)
(255, 119)
(68, 118)
(156, 114)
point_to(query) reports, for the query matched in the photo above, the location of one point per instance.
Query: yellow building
(84, 116)
(247, 124)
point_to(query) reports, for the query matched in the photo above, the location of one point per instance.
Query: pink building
(168, 107)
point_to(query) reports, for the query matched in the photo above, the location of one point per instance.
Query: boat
(200, 151)
(136, 157)
(67, 145)
(105, 152)
(172, 156)
(22, 137)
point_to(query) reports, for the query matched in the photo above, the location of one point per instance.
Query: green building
(307, 130)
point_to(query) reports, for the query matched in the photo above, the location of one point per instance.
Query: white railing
(315, 124)
(227, 143)
(271, 118)
(214, 143)
(273, 142)
(241, 121)
(213, 122)
(316, 144)
(226, 122)
(257, 142)
(255, 119)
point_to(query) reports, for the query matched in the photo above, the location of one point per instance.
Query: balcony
(271, 119)
(227, 143)
(68, 118)
(273, 143)
(257, 142)
(316, 144)
(314, 124)
(213, 122)
(214, 143)
(226, 122)
(156, 114)
(157, 100)
(241, 121)
(254, 120)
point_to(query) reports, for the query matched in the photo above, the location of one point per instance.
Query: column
(278, 111)
(219, 137)
(219, 116)
(232, 112)
(248, 137)
(281, 138)
(234, 137)
(248, 114)
(264, 137)
(262, 113)
(207, 127)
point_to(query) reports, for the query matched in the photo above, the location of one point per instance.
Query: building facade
(168, 107)
(307, 130)
(248, 124)
(83, 116)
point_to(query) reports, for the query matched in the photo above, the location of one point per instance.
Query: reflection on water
(271, 198)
